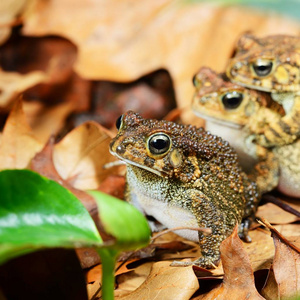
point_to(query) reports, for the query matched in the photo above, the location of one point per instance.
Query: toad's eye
(159, 143)
(195, 81)
(119, 122)
(232, 100)
(262, 67)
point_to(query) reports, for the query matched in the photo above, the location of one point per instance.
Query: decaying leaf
(286, 265)
(13, 83)
(80, 156)
(18, 144)
(180, 36)
(238, 282)
(165, 282)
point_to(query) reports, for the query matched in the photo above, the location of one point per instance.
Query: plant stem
(108, 258)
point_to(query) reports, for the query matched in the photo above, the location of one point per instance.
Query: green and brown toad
(184, 176)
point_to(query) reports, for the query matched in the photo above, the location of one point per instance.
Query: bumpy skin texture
(198, 173)
(207, 103)
(271, 64)
(282, 51)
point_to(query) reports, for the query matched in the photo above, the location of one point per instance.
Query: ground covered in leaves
(63, 85)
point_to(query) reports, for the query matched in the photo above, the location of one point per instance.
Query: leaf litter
(53, 94)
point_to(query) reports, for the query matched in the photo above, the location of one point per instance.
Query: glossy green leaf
(123, 221)
(36, 212)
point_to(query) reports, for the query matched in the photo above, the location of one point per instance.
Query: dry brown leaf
(180, 36)
(238, 282)
(18, 144)
(79, 157)
(43, 164)
(128, 282)
(93, 280)
(289, 230)
(276, 215)
(165, 282)
(51, 120)
(286, 265)
(270, 290)
(260, 250)
(13, 83)
(9, 9)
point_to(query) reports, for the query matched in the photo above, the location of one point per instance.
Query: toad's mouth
(138, 165)
(252, 86)
(218, 121)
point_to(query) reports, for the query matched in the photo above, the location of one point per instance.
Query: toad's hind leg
(221, 224)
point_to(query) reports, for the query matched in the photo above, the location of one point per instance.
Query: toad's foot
(203, 262)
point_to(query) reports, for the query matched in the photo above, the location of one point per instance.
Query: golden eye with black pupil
(159, 143)
(232, 100)
(262, 67)
(119, 122)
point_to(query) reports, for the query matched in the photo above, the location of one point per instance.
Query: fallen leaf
(286, 265)
(179, 36)
(9, 10)
(51, 120)
(80, 156)
(238, 282)
(260, 250)
(276, 215)
(93, 281)
(18, 144)
(270, 290)
(13, 83)
(88, 257)
(288, 230)
(166, 282)
(43, 164)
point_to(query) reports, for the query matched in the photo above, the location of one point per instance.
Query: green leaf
(123, 221)
(36, 212)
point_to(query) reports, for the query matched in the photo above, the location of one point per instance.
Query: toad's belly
(169, 215)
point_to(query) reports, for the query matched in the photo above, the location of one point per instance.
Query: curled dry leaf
(13, 83)
(286, 265)
(166, 282)
(238, 282)
(79, 157)
(179, 36)
(18, 144)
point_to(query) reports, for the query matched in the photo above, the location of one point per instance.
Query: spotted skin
(197, 176)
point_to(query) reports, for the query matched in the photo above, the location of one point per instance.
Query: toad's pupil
(159, 144)
(232, 100)
(119, 122)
